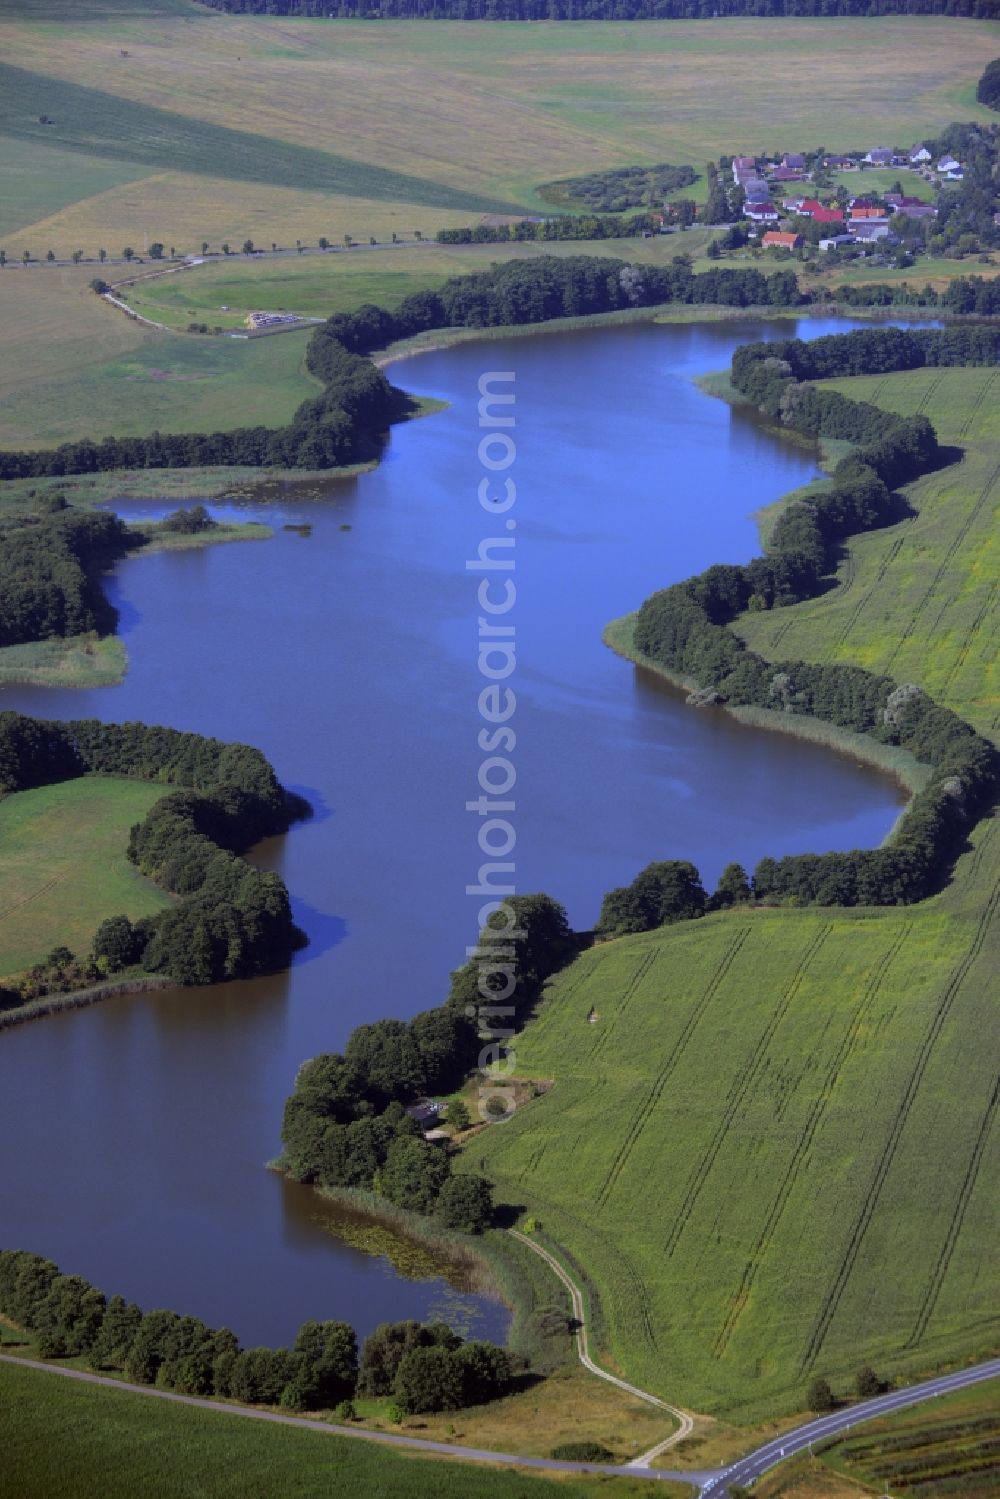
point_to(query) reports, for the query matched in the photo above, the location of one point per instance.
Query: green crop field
(920, 601)
(64, 867)
(64, 1440)
(75, 367)
(770, 1139)
(270, 126)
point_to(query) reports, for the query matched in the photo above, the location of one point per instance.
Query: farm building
(425, 1112)
(787, 174)
(793, 159)
(827, 215)
(880, 156)
(865, 233)
(835, 241)
(778, 239)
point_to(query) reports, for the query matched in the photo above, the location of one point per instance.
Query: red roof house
(828, 216)
(778, 239)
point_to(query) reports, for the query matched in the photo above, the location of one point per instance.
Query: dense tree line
(562, 227)
(232, 920)
(344, 424)
(427, 1368)
(967, 295)
(605, 10)
(686, 627)
(534, 291)
(49, 574)
(346, 1123)
(620, 188)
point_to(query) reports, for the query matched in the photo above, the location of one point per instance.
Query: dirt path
(685, 1421)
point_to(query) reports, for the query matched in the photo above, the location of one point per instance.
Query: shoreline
(909, 774)
(80, 999)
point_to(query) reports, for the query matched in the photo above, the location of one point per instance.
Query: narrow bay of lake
(136, 1132)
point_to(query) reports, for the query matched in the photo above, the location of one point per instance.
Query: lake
(136, 1132)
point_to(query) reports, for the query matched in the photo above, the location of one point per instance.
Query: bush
(820, 1397)
(582, 1452)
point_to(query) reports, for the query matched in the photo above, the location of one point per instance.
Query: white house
(948, 164)
(919, 155)
(880, 156)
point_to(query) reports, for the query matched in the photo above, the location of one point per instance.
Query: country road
(749, 1468)
(716, 1482)
(685, 1422)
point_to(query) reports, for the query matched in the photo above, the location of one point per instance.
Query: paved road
(715, 1483)
(803, 1437)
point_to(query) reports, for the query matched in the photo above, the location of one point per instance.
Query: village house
(840, 163)
(809, 207)
(869, 215)
(778, 239)
(900, 200)
(827, 215)
(745, 165)
(880, 156)
(792, 205)
(761, 213)
(919, 155)
(948, 164)
(787, 174)
(836, 241)
(866, 233)
(794, 160)
(757, 190)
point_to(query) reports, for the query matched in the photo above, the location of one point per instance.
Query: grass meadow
(64, 867)
(771, 1134)
(76, 661)
(64, 1440)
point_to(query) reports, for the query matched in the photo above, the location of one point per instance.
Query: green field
(64, 867)
(75, 366)
(919, 601)
(64, 1440)
(771, 1149)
